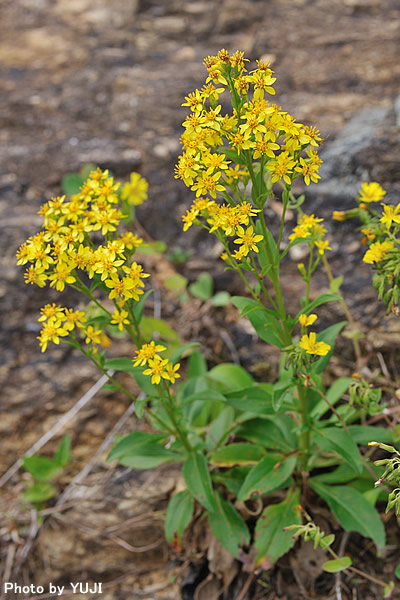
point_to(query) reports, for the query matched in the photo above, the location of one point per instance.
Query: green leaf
(269, 240)
(219, 426)
(328, 336)
(71, 183)
(176, 282)
(335, 284)
(276, 433)
(140, 405)
(39, 492)
(263, 320)
(202, 288)
(121, 364)
(335, 392)
(148, 456)
(362, 434)
(234, 156)
(337, 440)
(196, 365)
(271, 541)
(322, 299)
(221, 299)
(253, 400)
(179, 514)
(339, 564)
(150, 248)
(352, 510)
(138, 308)
(270, 473)
(232, 479)
(198, 480)
(229, 527)
(63, 453)
(128, 445)
(150, 325)
(40, 467)
(183, 351)
(237, 454)
(230, 377)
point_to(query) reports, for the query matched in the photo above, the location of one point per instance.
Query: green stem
(121, 388)
(169, 407)
(304, 435)
(260, 281)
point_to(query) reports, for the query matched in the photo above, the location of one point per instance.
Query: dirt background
(102, 82)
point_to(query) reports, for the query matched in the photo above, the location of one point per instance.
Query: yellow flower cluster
(255, 131)
(58, 322)
(157, 367)
(377, 252)
(380, 229)
(65, 246)
(308, 341)
(309, 228)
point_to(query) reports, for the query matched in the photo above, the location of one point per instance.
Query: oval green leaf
(353, 511)
(269, 475)
(198, 480)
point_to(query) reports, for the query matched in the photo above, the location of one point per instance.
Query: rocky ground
(102, 82)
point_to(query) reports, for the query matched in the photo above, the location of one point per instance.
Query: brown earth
(94, 81)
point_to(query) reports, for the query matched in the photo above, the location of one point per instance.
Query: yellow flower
(377, 252)
(172, 373)
(339, 215)
(311, 346)
(120, 318)
(51, 311)
(390, 214)
(147, 352)
(51, 332)
(37, 276)
(157, 369)
(309, 171)
(93, 336)
(305, 320)
(248, 240)
(371, 192)
(135, 192)
(61, 276)
(322, 245)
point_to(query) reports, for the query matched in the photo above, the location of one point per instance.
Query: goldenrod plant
(236, 438)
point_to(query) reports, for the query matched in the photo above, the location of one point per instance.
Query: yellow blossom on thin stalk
(371, 192)
(248, 240)
(377, 252)
(119, 317)
(172, 372)
(311, 346)
(390, 214)
(147, 352)
(157, 369)
(51, 332)
(306, 320)
(135, 192)
(93, 336)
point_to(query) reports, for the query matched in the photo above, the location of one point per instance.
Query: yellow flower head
(371, 192)
(248, 240)
(306, 320)
(377, 252)
(339, 215)
(311, 346)
(147, 352)
(135, 192)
